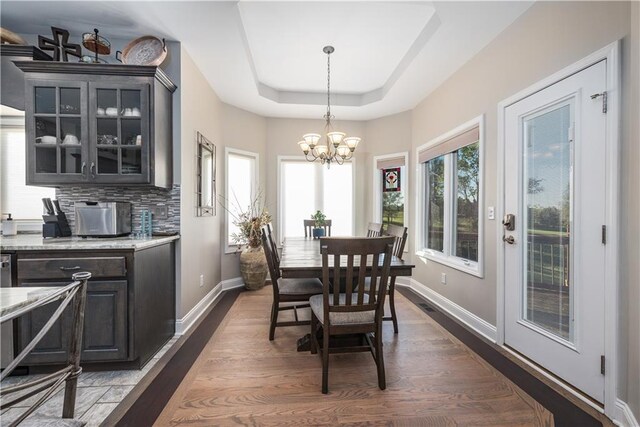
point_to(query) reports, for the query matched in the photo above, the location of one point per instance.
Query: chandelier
(337, 146)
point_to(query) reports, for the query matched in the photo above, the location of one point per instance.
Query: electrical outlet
(491, 212)
(160, 211)
(201, 280)
(443, 278)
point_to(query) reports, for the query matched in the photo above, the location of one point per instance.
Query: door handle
(83, 167)
(509, 239)
(91, 168)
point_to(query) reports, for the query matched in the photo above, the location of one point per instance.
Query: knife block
(56, 226)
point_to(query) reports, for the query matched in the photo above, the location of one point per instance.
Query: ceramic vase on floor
(253, 268)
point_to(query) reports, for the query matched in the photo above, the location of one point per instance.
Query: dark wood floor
(241, 378)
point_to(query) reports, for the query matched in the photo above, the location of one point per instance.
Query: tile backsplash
(140, 198)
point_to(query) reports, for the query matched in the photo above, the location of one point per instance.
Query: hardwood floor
(241, 378)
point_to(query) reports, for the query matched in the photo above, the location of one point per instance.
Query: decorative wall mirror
(206, 193)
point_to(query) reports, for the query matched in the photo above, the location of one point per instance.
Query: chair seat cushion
(352, 318)
(299, 286)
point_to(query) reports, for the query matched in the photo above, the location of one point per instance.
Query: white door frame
(612, 54)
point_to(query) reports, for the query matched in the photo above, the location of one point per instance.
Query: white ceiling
(267, 57)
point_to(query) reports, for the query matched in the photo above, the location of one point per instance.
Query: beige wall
(245, 131)
(199, 247)
(386, 135)
(546, 38)
(282, 138)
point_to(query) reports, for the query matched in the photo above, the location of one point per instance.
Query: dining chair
(309, 225)
(355, 311)
(374, 229)
(286, 290)
(274, 246)
(400, 235)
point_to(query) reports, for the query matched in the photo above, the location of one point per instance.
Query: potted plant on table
(319, 220)
(249, 220)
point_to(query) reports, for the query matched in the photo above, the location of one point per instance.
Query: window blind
(393, 162)
(450, 145)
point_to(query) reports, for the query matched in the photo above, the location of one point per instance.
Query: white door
(555, 181)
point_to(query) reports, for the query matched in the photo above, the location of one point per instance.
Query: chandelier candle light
(337, 146)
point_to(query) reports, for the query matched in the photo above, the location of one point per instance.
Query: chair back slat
(310, 224)
(400, 234)
(374, 229)
(274, 246)
(352, 255)
(274, 266)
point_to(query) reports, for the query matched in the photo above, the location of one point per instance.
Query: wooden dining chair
(355, 311)
(374, 229)
(286, 290)
(274, 246)
(400, 235)
(309, 225)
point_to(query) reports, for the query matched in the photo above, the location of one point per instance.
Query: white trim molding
(377, 184)
(189, 319)
(611, 54)
(448, 258)
(624, 416)
(231, 248)
(473, 322)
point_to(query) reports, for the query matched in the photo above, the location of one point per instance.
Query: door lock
(509, 239)
(509, 222)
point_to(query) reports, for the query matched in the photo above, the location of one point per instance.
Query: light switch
(491, 212)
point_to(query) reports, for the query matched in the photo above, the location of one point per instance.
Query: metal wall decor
(391, 180)
(206, 178)
(60, 45)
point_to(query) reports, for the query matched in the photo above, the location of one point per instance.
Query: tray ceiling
(266, 57)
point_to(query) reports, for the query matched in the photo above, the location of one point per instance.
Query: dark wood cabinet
(105, 325)
(97, 124)
(130, 310)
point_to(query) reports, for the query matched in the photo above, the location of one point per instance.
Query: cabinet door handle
(91, 168)
(77, 267)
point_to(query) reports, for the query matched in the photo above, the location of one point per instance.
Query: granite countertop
(35, 242)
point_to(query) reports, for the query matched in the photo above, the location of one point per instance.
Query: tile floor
(98, 393)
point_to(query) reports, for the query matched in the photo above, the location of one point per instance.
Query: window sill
(468, 267)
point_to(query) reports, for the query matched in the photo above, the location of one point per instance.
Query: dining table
(301, 258)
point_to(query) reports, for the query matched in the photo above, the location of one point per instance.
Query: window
(390, 181)
(306, 187)
(22, 201)
(241, 168)
(450, 231)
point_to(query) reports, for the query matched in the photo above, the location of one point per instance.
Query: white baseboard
(185, 323)
(469, 319)
(236, 282)
(624, 416)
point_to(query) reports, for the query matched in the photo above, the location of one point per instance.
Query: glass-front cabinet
(111, 125)
(119, 125)
(57, 131)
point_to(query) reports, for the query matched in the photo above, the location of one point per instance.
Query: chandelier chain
(328, 86)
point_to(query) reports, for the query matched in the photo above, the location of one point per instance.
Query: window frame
(319, 196)
(229, 247)
(447, 257)
(17, 122)
(377, 185)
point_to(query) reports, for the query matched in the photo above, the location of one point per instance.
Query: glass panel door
(547, 199)
(56, 131)
(120, 132)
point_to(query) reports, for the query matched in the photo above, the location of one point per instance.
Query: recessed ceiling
(266, 57)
